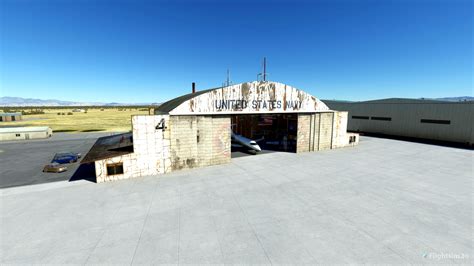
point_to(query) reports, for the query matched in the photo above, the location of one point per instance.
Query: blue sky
(151, 51)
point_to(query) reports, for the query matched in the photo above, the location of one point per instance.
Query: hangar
(24, 133)
(195, 130)
(10, 117)
(415, 118)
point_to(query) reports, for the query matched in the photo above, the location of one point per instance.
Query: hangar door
(277, 132)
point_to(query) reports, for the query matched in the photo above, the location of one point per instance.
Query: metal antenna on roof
(228, 77)
(227, 82)
(264, 69)
(264, 73)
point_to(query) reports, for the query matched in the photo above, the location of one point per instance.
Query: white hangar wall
(435, 120)
(251, 97)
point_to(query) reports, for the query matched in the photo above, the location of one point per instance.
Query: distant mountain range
(18, 102)
(444, 99)
(455, 99)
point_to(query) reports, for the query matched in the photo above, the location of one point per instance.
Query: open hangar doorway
(272, 132)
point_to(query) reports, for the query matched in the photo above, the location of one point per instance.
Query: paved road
(21, 162)
(384, 201)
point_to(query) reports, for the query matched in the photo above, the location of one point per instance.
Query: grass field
(96, 119)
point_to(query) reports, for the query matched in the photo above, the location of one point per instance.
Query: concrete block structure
(199, 141)
(25, 133)
(194, 130)
(10, 117)
(144, 152)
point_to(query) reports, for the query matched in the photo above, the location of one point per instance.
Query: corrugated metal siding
(406, 119)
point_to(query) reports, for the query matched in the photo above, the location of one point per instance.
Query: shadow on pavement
(441, 143)
(84, 172)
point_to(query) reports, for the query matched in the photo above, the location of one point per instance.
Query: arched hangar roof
(247, 97)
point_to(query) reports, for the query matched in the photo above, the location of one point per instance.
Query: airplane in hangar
(239, 141)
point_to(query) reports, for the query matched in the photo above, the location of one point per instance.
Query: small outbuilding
(9, 117)
(22, 133)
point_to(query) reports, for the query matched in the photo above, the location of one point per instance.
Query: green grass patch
(95, 120)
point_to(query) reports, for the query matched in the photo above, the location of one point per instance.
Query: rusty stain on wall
(199, 130)
(260, 96)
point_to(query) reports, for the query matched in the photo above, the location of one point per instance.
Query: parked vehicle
(54, 168)
(66, 157)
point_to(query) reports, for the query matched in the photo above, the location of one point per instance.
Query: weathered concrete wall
(198, 141)
(184, 142)
(128, 168)
(251, 97)
(340, 127)
(303, 140)
(213, 140)
(309, 140)
(151, 148)
(316, 118)
(322, 131)
(151, 145)
(325, 131)
(309, 128)
(340, 136)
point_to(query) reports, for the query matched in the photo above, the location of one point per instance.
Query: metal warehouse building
(8, 117)
(426, 119)
(19, 133)
(194, 130)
